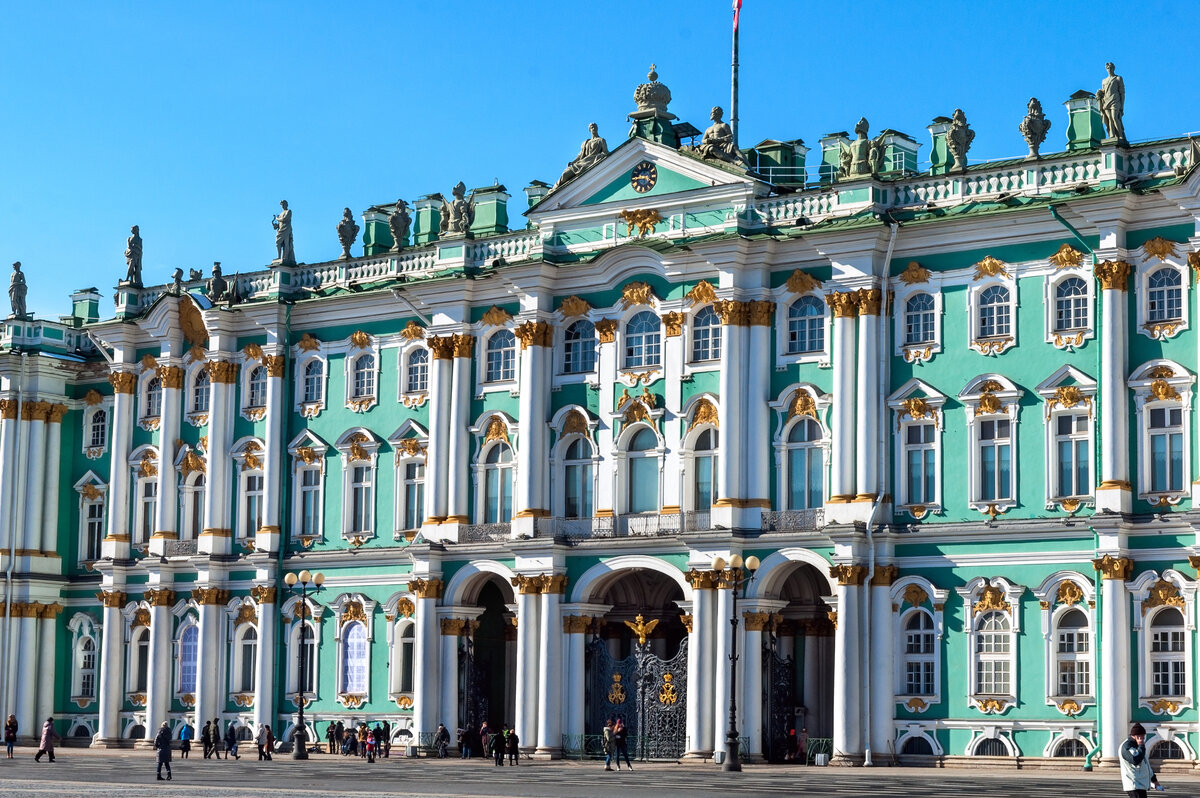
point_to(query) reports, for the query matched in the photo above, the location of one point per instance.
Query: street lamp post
(738, 576)
(304, 579)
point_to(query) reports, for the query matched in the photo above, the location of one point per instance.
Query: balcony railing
(180, 548)
(793, 520)
(481, 533)
(635, 525)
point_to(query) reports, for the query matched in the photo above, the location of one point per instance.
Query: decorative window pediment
(992, 404)
(1069, 302)
(1162, 391)
(1068, 615)
(993, 609)
(919, 609)
(920, 421)
(1069, 397)
(1163, 619)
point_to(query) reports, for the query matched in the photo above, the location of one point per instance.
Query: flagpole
(733, 103)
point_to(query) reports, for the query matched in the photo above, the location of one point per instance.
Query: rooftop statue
(16, 293)
(398, 222)
(591, 152)
(1034, 127)
(863, 156)
(177, 283)
(958, 139)
(653, 96)
(457, 214)
(218, 286)
(285, 252)
(347, 232)
(717, 142)
(652, 120)
(1112, 103)
(133, 258)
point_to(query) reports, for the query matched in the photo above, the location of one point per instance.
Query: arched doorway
(487, 659)
(636, 662)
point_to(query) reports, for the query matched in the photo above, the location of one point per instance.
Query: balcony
(484, 533)
(793, 520)
(638, 525)
(179, 548)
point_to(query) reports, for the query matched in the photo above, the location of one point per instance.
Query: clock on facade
(644, 176)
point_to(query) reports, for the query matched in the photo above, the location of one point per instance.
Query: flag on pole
(737, 11)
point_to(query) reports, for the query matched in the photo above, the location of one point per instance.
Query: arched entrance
(636, 662)
(487, 658)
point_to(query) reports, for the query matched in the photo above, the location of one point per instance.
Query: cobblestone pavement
(128, 774)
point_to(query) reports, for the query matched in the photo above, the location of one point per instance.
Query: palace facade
(950, 411)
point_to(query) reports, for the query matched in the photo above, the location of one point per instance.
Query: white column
(448, 712)
(35, 466)
(757, 444)
(167, 509)
(48, 672)
(847, 685)
(750, 702)
(730, 415)
(112, 670)
(811, 676)
(575, 639)
(210, 697)
(867, 397)
(550, 665)
(673, 468)
(426, 664)
(217, 537)
(527, 664)
(49, 541)
(8, 469)
(1114, 493)
(606, 368)
(116, 543)
(458, 478)
(1115, 673)
(274, 472)
(437, 453)
(160, 681)
(27, 635)
(723, 632)
(882, 653)
(530, 499)
(843, 419)
(264, 662)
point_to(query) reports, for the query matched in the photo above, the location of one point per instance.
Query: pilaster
(268, 537)
(437, 454)
(217, 536)
(265, 597)
(459, 511)
(1115, 492)
(167, 509)
(1114, 679)
(116, 542)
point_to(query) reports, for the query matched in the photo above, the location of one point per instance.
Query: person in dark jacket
(206, 738)
(621, 738)
(216, 739)
(496, 748)
(162, 744)
(514, 751)
(387, 739)
(231, 742)
(10, 734)
(1136, 775)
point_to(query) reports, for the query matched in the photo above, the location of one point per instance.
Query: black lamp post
(304, 578)
(738, 576)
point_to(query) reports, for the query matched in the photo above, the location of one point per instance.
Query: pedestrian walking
(464, 747)
(483, 739)
(10, 734)
(185, 740)
(217, 739)
(261, 740)
(514, 752)
(47, 746)
(621, 738)
(610, 745)
(362, 740)
(162, 744)
(802, 745)
(1136, 775)
(231, 742)
(441, 738)
(387, 739)
(496, 741)
(331, 735)
(270, 741)
(206, 738)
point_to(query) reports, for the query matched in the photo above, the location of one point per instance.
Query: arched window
(993, 746)
(153, 398)
(418, 371)
(189, 644)
(706, 334)
(1073, 655)
(98, 429)
(501, 357)
(579, 348)
(1165, 302)
(201, 391)
(995, 315)
(577, 480)
(704, 471)
(85, 666)
(1166, 749)
(1168, 663)
(642, 477)
(256, 387)
(643, 341)
(1071, 305)
(992, 641)
(918, 654)
(806, 326)
(498, 485)
(407, 652)
(919, 319)
(354, 658)
(247, 656)
(805, 466)
(363, 377)
(314, 380)
(193, 506)
(1070, 748)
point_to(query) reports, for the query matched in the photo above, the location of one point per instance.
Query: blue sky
(194, 119)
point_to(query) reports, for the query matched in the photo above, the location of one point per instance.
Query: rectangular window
(579, 491)
(992, 677)
(1071, 449)
(995, 460)
(360, 500)
(252, 504)
(414, 495)
(643, 484)
(918, 678)
(919, 460)
(705, 484)
(148, 498)
(93, 530)
(1166, 449)
(310, 501)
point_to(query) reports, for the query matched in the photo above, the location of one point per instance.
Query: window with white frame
(354, 659)
(361, 490)
(643, 341)
(641, 478)
(1164, 299)
(1168, 655)
(579, 348)
(805, 466)
(152, 405)
(256, 387)
(995, 312)
(919, 319)
(250, 515)
(1070, 748)
(97, 428)
(92, 521)
(407, 658)
(577, 480)
(192, 506)
(201, 392)
(308, 500)
(412, 492)
(918, 654)
(85, 668)
(706, 335)
(303, 637)
(245, 657)
(704, 471)
(501, 363)
(189, 649)
(147, 507)
(139, 661)
(995, 460)
(362, 377)
(1072, 462)
(1071, 305)
(806, 326)
(993, 663)
(1073, 655)
(418, 371)
(498, 484)
(313, 389)
(920, 463)
(1165, 434)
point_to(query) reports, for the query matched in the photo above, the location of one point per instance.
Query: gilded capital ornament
(732, 312)
(426, 588)
(756, 621)
(463, 345)
(57, 412)
(761, 312)
(843, 303)
(606, 329)
(1113, 275)
(275, 364)
(1110, 567)
(885, 575)
(210, 595)
(454, 627)
(8, 409)
(263, 594)
(442, 348)
(848, 574)
(160, 597)
(112, 598)
(870, 301)
(123, 382)
(535, 333)
(673, 322)
(222, 371)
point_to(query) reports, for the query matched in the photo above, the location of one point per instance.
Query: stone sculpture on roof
(133, 258)
(652, 120)
(347, 232)
(16, 292)
(591, 152)
(177, 282)
(218, 286)
(457, 214)
(958, 139)
(1112, 103)
(285, 252)
(1034, 127)
(717, 142)
(399, 222)
(864, 156)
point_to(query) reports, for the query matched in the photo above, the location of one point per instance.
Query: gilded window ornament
(246, 614)
(92, 398)
(992, 598)
(1068, 593)
(1113, 275)
(915, 595)
(496, 316)
(667, 693)
(253, 352)
(1067, 257)
(1164, 706)
(990, 267)
(575, 423)
(353, 611)
(914, 274)
(405, 607)
(409, 447)
(642, 628)
(147, 468)
(1162, 594)
(91, 492)
(1159, 247)
(991, 706)
(357, 453)
(497, 430)
(634, 413)
(1162, 390)
(916, 705)
(574, 306)
(702, 294)
(413, 331)
(243, 699)
(308, 454)
(917, 408)
(686, 620)
(802, 282)
(308, 343)
(149, 362)
(141, 617)
(803, 404)
(360, 339)
(197, 354)
(191, 464)
(636, 293)
(989, 403)
(705, 413)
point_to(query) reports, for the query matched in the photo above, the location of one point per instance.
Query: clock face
(645, 175)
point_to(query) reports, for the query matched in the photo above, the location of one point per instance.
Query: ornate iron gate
(779, 698)
(473, 688)
(646, 691)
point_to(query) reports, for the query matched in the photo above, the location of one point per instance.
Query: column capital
(848, 574)
(426, 588)
(463, 344)
(171, 376)
(35, 411)
(1113, 275)
(112, 598)
(535, 333)
(57, 413)
(210, 595)
(756, 621)
(885, 575)
(870, 301)
(607, 330)
(454, 627)
(703, 580)
(528, 585)
(263, 594)
(275, 364)
(123, 382)
(442, 348)
(761, 312)
(49, 611)
(160, 597)
(222, 372)
(733, 312)
(1115, 568)
(845, 304)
